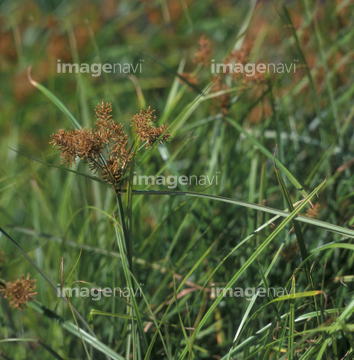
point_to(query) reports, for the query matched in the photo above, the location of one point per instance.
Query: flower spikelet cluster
(237, 59)
(144, 125)
(116, 139)
(20, 291)
(242, 57)
(203, 55)
(313, 211)
(191, 78)
(83, 144)
(104, 147)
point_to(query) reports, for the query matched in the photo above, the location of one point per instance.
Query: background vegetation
(182, 244)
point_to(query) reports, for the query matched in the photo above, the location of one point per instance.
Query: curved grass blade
(292, 318)
(319, 223)
(180, 119)
(249, 308)
(70, 305)
(310, 78)
(268, 154)
(55, 100)
(121, 237)
(249, 261)
(173, 95)
(298, 232)
(195, 266)
(301, 319)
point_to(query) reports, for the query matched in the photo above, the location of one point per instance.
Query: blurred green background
(52, 213)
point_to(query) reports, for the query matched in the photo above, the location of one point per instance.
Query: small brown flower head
(203, 55)
(258, 78)
(155, 134)
(107, 128)
(118, 162)
(238, 57)
(65, 141)
(313, 211)
(192, 79)
(242, 57)
(20, 291)
(89, 144)
(81, 144)
(112, 134)
(144, 125)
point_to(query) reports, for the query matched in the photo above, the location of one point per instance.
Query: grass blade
(250, 260)
(55, 100)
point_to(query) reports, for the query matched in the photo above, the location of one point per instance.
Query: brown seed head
(144, 125)
(90, 145)
(106, 146)
(20, 291)
(313, 211)
(192, 79)
(203, 55)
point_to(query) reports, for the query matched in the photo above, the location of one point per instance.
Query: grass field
(221, 229)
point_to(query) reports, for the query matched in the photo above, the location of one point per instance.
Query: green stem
(128, 243)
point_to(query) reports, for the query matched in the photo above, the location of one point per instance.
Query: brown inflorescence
(144, 125)
(106, 146)
(222, 81)
(76, 144)
(203, 55)
(191, 78)
(313, 211)
(20, 291)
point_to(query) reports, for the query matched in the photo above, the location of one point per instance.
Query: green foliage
(251, 227)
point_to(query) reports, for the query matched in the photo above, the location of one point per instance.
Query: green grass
(174, 245)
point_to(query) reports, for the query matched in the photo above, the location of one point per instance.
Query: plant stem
(128, 243)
